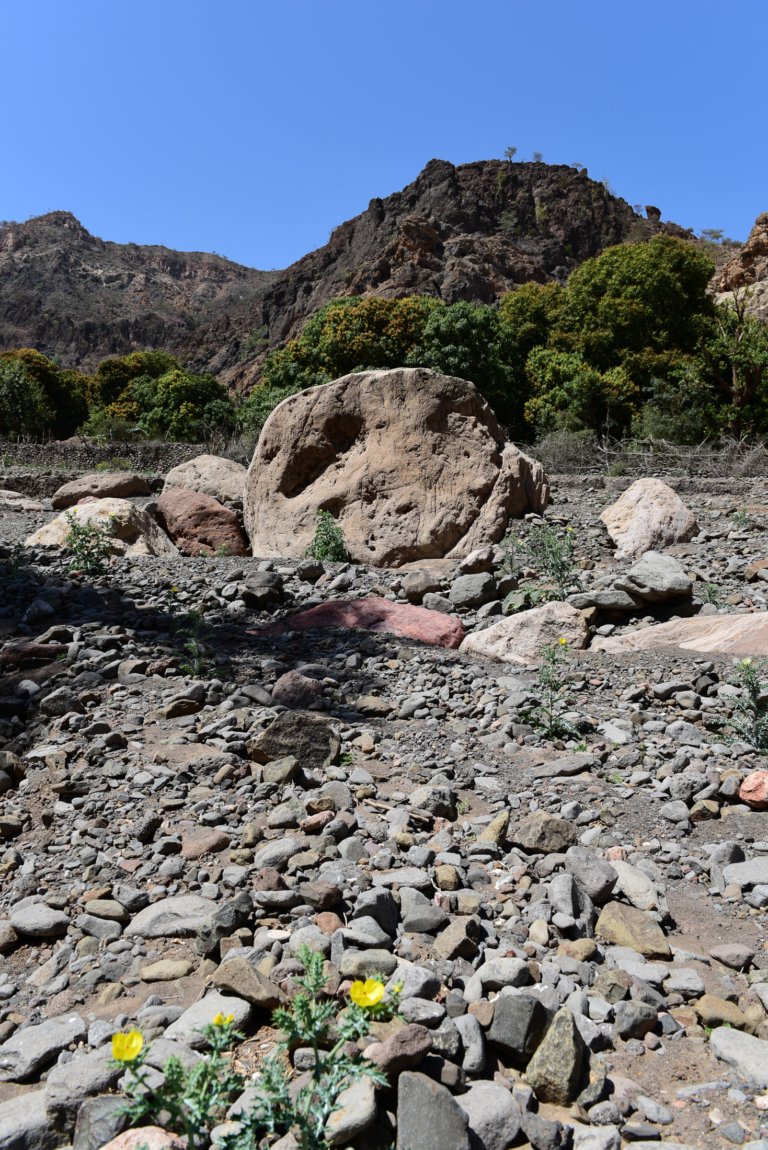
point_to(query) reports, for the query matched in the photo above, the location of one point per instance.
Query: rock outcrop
(213, 475)
(100, 485)
(748, 271)
(412, 464)
(198, 524)
(648, 516)
(736, 634)
(135, 532)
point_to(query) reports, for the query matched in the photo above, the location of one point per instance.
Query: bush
(328, 542)
(66, 394)
(23, 406)
(570, 395)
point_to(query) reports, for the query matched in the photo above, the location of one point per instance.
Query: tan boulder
(411, 463)
(627, 926)
(15, 501)
(733, 634)
(521, 638)
(198, 524)
(136, 533)
(648, 516)
(222, 479)
(100, 485)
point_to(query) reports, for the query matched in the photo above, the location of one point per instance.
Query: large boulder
(656, 578)
(521, 638)
(198, 524)
(732, 634)
(648, 516)
(373, 614)
(411, 463)
(16, 501)
(135, 532)
(100, 485)
(222, 479)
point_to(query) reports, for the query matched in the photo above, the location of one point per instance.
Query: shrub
(89, 542)
(569, 394)
(66, 393)
(180, 406)
(328, 542)
(23, 406)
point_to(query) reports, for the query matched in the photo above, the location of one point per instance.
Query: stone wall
(154, 457)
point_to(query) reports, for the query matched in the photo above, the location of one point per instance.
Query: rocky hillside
(66, 292)
(468, 232)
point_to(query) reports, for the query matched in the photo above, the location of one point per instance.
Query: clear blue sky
(252, 129)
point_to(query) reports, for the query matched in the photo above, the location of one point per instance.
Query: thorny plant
(90, 543)
(197, 664)
(328, 542)
(194, 1100)
(552, 556)
(543, 716)
(709, 593)
(191, 1099)
(750, 718)
(741, 518)
(306, 1022)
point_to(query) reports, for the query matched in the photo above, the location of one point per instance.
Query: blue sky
(253, 129)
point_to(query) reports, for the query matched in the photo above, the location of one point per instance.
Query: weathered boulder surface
(100, 485)
(411, 463)
(222, 479)
(736, 634)
(521, 638)
(656, 578)
(198, 524)
(648, 516)
(135, 532)
(751, 264)
(15, 501)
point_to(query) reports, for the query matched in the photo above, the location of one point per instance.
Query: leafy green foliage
(550, 681)
(552, 556)
(58, 398)
(24, 409)
(570, 395)
(328, 542)
(89, 542)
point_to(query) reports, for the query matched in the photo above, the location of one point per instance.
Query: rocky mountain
(457, 232)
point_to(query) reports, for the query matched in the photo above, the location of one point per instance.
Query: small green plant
(617, 469)
(197, 663)
(222, 551)
(709, 593)
(616, 777)
(89, 542)
(509, 154)
(17, 558)
(114, 464)
(328, 542)
(542, 716)
(750, 717)
(552, 557)
(346, 759)
(462, 806)
(511, 564)
(740, 519)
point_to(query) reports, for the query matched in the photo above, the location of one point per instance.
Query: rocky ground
(184, 803)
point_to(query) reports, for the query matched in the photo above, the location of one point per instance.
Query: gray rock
(473, 1041)
(674, 812)
(355, 1111)
(68, 1085)
(747, 1054)
(407, 876)
(422, 1011)
(566, 765)
(446, 1040)
(555, 1068)
(416, 982)
(594, 875)
(428, 1114)
(634, 1019)
(419, 913)
(367, 963)
(60, 702)
(437, 800)
(438, 603)
(30, 1049)
(276, 854)
(99, 1120)
(24, 1124)
(100, 928)
(494, 1116)
(608, 600)
(518, 1025)
(724, 854)
(746, 874)
(133, 900)
(685, 733)
(37, 920)
(473, 590)
(656, 578)
(177, 917)
(563, 897)
(653, 1110)
(499, 972)
(606, 1138)
(186, 1029)
(542, 1134)
(417, 584)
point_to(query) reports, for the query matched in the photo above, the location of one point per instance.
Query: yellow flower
(220, 1020)
(126, 1047)
(366, 993)
(561, 642)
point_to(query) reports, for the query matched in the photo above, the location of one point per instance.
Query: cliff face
(67, 292)
(458, 233)
(748, 272)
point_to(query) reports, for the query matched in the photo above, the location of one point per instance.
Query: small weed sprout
(462, 806)
(740, 518)
(328, 542)
(90, 544)
(750, 718)
(17, 558)
(222, 551)
(198, 663)
(709, 593)
(550, 681)
(511, 564)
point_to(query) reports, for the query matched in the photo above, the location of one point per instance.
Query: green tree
(180, 406)
(23, 406)
(113, 376)
(731, 369)
(570, 394)
(67, 393)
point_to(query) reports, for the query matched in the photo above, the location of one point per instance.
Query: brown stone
(624, 925)
(754, 790)
(100, 485)
(582, 949)
(483, 1012)
(149, 1137)
(198, 524)
(328, 921)
(542, 832)
(522, 638)
(750, 265)
(268, 878)
(239, 977)
(296, 690)
(8, 936)
(750, 575)
(730, 634)
(402, 1050)
(134, 531)
(201, 841)
(714, 1011)
(414, 463)
(223, 479)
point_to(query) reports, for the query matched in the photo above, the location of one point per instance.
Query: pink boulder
(754, 790)
(372, 614)
(151, 1137)
(23, 652)
(201, 841)
(296, 690)
(198, 524)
